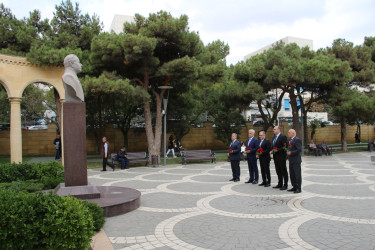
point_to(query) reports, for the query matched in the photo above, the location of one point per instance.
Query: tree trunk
(344, 144)
(305, 130)
(124, 132)
(268, 119)
(153, 137)
(293, 104)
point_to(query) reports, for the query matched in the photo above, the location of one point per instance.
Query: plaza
(196, 207)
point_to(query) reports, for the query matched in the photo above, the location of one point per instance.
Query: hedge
(46, 175)
(39, 221)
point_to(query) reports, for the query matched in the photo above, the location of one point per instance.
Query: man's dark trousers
(235, 165)
(281, 170)
(124, 162)
(253, 168)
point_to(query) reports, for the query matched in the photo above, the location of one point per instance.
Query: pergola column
(15, 130)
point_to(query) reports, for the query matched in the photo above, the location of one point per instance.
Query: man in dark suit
(252, 145)
(279, 157)
(235, 157)
(294, 153)
(264, 159)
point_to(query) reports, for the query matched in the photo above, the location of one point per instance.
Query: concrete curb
(100, 241)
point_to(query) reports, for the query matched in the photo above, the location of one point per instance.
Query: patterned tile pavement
(196, 207)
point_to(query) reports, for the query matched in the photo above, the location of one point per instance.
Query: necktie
(274, 140)
(260, 144)
(249, 142)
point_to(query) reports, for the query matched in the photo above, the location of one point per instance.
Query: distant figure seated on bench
(122, 157)
(313, 148)
(133, 157)
(325, 148)
(203, 154)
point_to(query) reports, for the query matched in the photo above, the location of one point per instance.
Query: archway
(15, 75)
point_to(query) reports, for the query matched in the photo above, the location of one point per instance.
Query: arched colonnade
(16, 73)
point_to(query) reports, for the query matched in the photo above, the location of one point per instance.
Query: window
(286, 104)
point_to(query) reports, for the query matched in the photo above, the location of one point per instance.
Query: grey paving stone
(341, 190)
(230, 232)
(359, 209)
(359, 237)
(201, 208)
(251, 205)
(333, 179)
(137, 184)
(164, 177)
(135, 223)
(195, 187)
(170, 201)
(329, 172)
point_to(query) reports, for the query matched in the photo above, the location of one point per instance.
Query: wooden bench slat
(133, 157)
(202, 154)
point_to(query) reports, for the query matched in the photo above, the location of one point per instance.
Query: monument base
(80, 192)
(114, 200)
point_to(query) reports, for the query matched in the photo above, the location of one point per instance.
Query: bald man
(279, 158)
(294, 154)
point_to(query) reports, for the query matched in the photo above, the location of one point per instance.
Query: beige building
(15, 75)
(301, 42)
(118, 21)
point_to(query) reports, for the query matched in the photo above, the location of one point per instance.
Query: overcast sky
(246, 25)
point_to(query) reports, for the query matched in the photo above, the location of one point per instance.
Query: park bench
(134, 157)
(203, 154)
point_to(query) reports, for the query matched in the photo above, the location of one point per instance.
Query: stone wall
(40, 142)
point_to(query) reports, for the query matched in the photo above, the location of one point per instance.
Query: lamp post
(165, 104)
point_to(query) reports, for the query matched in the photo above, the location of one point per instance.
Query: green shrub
(50, 174)
(28, 186)
(39, 221)
(97, 215)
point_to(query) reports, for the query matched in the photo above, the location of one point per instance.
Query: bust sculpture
(72, 85)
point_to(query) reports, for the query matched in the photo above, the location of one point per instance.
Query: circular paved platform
(196, 207)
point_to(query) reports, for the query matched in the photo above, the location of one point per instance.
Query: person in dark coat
(264, 159)
(252, 144)
(294, 154)
(122, 157)
(57, 143)
(235, 157)
(106, 154)
(279, 157)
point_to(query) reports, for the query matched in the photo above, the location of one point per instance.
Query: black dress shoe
(232, 179)
(248, 181)
(292, 189)
(267, 185)
(278, 186)
(255, 182)
(262, 184)
(284, 187)
(102, 170)
(297, 191)
(235, 180)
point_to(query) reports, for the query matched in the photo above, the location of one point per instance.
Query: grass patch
(6, 159)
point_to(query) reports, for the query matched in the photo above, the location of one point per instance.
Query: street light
(165, 103)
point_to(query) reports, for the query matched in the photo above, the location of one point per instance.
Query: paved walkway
(196, 207)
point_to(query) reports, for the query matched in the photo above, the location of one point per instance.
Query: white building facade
(285, 112)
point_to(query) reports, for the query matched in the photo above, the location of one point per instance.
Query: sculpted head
(72, 61)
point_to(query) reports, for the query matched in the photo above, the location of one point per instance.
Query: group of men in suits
(262, 149)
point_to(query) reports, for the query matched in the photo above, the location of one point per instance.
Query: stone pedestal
(74, 144)
(113, 200)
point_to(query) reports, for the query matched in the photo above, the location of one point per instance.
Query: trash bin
(154, 160)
